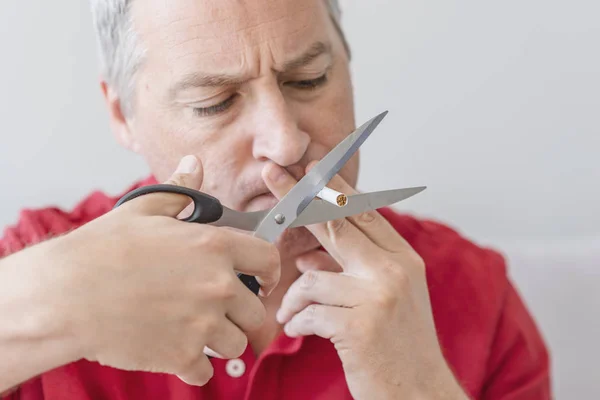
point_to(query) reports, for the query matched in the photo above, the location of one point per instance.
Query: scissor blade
(321, 211)
(297, 199)
(247, 221)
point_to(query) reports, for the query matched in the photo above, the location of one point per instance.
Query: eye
(216, 109)
(309, 84)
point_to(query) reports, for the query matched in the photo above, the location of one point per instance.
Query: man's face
(240, 83)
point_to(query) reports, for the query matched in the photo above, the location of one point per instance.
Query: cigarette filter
(333, 197)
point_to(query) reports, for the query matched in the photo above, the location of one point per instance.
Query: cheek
(164, 140)
(220, 172)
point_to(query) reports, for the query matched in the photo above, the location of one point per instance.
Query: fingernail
(211, 353)
(187, 165)
(276, 173)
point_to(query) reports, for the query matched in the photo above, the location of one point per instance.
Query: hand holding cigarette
(333, 197)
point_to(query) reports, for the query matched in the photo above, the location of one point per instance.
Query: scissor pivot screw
(280, 219)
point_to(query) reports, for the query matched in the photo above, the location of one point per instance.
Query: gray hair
(119, 52)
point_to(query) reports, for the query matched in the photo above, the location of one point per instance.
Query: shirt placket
(233, 375)
(264, 381)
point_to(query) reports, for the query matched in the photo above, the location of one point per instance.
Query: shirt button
(235, 368)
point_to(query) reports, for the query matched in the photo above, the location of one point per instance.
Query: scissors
(299, 207)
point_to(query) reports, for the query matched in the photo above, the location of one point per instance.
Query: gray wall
(494, 105)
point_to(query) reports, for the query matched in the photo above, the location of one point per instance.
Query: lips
(261, 202)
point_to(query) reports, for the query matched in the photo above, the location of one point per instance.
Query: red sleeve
(519, 365)
(496, 351)
(35, 226)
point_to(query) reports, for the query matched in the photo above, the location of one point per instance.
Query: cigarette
(333, 197)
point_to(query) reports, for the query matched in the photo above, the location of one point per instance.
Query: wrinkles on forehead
(218, 31)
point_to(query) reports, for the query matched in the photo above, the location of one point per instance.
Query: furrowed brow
(199, 79)
(316, 50)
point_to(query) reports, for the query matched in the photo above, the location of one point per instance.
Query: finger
(244, 309)
(318, 319)
(323, 287)
(188, 174)
(371, 223)
(249, 255)
(278, 180)
(351, 239)
(198, 372)
(317, 260)
(228, 341)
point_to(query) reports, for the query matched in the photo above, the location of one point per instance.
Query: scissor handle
(207, 209)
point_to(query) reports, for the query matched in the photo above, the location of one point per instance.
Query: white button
(235, 368)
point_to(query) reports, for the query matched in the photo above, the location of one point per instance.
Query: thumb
(189, 174)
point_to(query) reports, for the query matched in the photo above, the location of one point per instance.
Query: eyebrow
(315, 51)
(198, 79)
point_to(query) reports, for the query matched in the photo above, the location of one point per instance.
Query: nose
(277, 136)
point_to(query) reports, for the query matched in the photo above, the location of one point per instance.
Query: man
(124, 303)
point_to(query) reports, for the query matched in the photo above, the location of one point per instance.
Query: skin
(277, 115)
(271, 120)
(66, 298)
(368, 295)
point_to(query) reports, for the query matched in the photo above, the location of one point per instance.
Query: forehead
(222, 33)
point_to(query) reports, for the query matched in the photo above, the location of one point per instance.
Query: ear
(118, 122)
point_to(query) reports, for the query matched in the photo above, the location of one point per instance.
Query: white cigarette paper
(333, 197)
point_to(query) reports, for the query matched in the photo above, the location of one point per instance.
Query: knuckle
(226, 287)
(309, 279)
(385, 298)
(311, 312)
(337, 225)
(208, 327)
(203, 236)
(210, 239)
(368, 217)
(218, 241)
(178, 180)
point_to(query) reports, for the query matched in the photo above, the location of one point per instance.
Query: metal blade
(321, 211)
(247, 221)
(297, 199)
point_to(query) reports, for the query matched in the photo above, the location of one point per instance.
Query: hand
(369, 296)
(145, 291)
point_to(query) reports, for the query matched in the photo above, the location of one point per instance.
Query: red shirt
(488, 337)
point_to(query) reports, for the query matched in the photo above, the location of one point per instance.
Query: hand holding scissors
(298, 208)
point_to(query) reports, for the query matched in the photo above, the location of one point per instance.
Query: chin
(295, 242)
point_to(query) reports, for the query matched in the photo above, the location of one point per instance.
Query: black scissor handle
(207, 209)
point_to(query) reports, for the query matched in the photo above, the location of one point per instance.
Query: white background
(495, 106)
